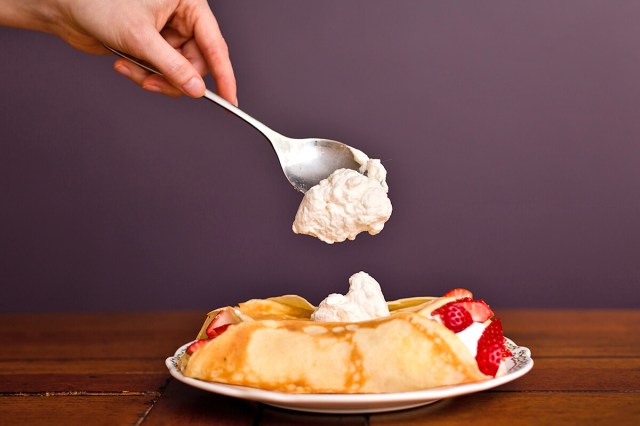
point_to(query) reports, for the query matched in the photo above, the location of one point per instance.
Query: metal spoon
(305, 162)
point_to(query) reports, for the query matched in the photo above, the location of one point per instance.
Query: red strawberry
(196, 345)
(490, 348)
(221, 322)
(479, 310)
(459, 293)
(454, 317)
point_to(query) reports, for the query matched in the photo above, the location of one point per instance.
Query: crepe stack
(272, 344)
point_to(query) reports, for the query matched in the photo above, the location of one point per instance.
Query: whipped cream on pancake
(471, 335)
(363, 302)
(347, 203)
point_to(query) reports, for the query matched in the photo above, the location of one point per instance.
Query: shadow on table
(180, 404)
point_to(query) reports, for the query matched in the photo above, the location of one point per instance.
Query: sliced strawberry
(221, 329)
(459, 293)
(490, 348)
(196, 345)
(221, 322)
(454, 317)
(479, 310)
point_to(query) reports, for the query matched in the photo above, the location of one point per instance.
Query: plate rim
(355, 403)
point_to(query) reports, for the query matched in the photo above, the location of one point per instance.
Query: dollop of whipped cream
(363, 302)
(471, 335)
(347, 203)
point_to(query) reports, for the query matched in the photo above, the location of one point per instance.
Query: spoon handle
(270, 134)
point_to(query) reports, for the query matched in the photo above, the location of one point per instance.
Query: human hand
(180, 38)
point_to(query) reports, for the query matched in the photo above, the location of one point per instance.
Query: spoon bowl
(305, 162)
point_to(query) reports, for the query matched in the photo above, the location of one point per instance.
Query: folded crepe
(272, 344)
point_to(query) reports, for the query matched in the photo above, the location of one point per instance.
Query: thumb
(175, 68)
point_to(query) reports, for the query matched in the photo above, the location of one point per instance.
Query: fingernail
(123, 70)
(152, 88)
(194, 87)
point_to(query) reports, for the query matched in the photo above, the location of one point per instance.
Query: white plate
(519, 365)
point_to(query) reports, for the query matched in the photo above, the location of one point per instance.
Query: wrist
(39, 15)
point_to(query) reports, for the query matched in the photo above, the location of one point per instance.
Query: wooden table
(92, 369)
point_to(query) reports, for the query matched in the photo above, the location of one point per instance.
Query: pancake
(272, 344)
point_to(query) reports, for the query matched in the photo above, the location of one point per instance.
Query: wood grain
(278, 417)
(523, 408)
(582, 333)
(580, 374)
(82, 410)
(109, 369)
(182, 404)
(82, 375)
(97, 336)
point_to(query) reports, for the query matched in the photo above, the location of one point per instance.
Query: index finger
(216, 53)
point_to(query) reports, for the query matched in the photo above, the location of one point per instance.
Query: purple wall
(510, 130)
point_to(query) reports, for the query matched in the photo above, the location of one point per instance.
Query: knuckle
(179, 69)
